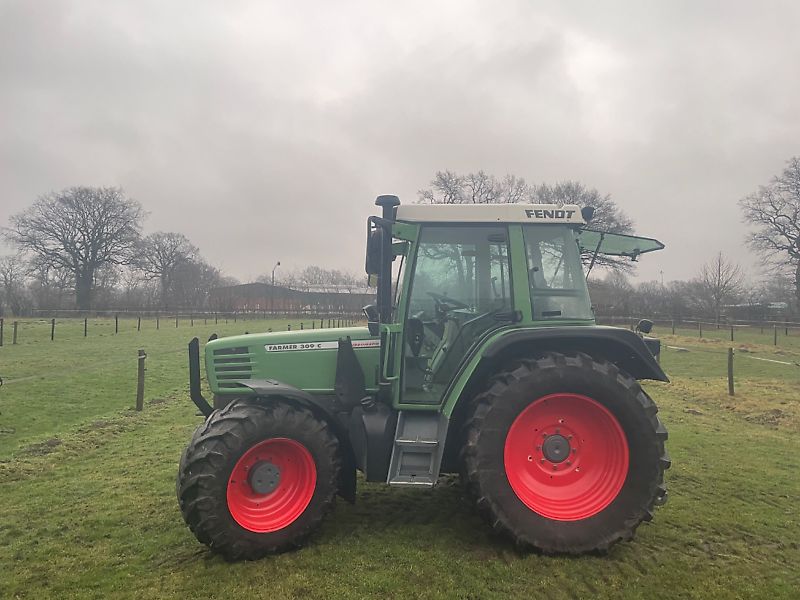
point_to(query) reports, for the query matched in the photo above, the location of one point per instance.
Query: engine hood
(304, 359)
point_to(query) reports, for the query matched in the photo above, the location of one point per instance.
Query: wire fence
(775, 333)
(101, 323)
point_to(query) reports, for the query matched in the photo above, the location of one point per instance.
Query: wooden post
(301, 326)
(158, 322)
(673, 326)
(322, 323)
(191, 320)
(731, 332)
(139, 323)
(774, 335)
(234, 317)
(700, 327)
(52, 329)
(2, 326)
(85, 327)
(205, 320)
(730, 371)
(14, 335)
(289, 327)
(313, 326)
(216, 319)
(116, 323)
(176, 320)
(140, 382)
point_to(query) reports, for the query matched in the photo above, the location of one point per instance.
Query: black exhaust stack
(389, 205)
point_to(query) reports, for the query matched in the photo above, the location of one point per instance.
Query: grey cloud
(263, 131)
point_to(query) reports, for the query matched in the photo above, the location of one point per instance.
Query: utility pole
(272, 290)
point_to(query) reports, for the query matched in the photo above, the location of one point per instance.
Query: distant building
(312, 299)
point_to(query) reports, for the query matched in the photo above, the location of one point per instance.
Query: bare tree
(721, 282)
(12, 284)
(160, 255)
(474, 188)
(607, 215)
(774, 210)
(80, 230)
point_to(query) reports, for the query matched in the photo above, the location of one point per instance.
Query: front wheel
(257, 478)
(565, 454)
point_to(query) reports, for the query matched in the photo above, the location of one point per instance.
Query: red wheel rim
(580, 470)
(289, 496)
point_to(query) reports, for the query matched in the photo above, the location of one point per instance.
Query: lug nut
(555, 468)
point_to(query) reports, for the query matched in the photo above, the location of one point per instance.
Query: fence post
(85, 326)
(191, 320)
(216, 319)
(139, 323)
(289, 327)
(774, 335)
(2, 326)
(176, 320)
(52, 329)
(731, 332)
(14, 335)
(140, 382)
(313, 325)
(301, 326)
(116, 323)
(730, 372)
(158, 322)
(700, 327)
(673, 326)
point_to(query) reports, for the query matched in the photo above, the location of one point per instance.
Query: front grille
(231, 364)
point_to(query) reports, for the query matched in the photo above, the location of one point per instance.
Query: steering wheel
(445, 301)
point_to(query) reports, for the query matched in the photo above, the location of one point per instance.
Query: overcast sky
(264, 130)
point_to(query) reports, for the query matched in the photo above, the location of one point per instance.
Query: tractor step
(418, 446)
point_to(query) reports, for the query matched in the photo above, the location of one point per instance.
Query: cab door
(459, 288)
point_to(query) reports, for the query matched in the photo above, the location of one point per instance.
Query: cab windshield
(555, 274)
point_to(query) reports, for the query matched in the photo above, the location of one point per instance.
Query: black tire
(216, 447)
(509, 393)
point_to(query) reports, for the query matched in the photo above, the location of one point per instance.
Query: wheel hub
(556, 448)
(566, 456)
(264, 477)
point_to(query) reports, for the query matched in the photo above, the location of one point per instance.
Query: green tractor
(481, 356)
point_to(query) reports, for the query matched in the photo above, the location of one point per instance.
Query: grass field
(88, 506)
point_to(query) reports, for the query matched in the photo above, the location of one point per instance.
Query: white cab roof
(490, 213)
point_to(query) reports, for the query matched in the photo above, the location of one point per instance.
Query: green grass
(88, 506)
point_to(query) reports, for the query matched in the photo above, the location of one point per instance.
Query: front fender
(322, 406)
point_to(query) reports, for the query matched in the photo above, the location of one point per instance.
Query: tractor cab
(449, 275)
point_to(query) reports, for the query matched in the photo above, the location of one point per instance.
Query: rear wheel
(565, 454)
(258, 477)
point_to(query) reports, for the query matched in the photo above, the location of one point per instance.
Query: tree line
(83, 248)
